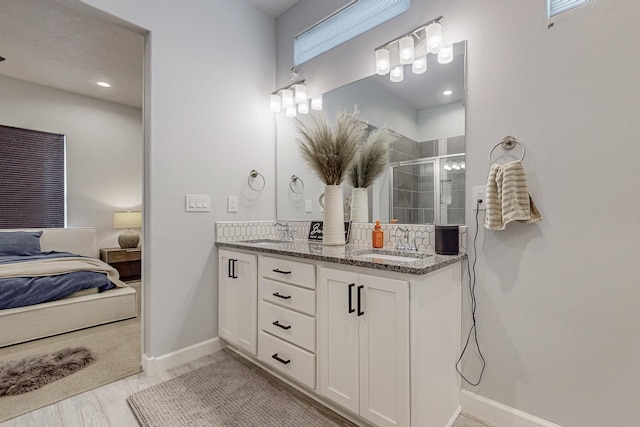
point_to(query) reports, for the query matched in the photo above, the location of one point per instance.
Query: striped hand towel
(508, 197)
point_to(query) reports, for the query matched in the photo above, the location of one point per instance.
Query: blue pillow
(20, 243)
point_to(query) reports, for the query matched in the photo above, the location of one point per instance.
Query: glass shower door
(428, 191)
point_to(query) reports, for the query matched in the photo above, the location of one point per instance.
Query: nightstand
(126, 261)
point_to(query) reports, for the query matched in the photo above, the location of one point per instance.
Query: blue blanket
(24, 291)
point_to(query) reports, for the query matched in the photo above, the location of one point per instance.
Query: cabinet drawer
(287, 271)
(294, 327)
(284, 295)
(122, 256)
(293, 361)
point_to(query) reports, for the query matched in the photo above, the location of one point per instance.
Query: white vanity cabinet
(237, 299)
(363, 341)
(388, 343)
(287, 317)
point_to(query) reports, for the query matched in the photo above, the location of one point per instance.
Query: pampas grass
(331, 152)
(372, 158)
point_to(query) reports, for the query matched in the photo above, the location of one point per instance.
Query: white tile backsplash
(360, 235)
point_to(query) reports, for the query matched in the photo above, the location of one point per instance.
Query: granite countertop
(361, 256)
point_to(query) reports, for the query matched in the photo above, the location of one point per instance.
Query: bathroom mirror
(425, 179)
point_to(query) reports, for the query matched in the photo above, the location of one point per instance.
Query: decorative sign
(315, 231)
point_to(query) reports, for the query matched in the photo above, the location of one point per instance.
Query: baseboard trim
(453, 419)
(154, 365)
(495, 413)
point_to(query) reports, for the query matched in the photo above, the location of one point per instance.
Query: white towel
(508, 198)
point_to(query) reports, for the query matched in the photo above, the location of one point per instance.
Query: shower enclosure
(428, 190)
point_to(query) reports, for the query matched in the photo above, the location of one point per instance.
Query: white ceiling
(70, 46)
(57, 44)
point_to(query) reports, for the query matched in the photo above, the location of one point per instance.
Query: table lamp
(128, 220)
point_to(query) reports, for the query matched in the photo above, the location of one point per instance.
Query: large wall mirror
(425, 180)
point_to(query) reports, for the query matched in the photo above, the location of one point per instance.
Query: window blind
(32, 178)
(353, 20)
(555, 7)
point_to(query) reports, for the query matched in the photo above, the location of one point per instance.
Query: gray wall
(103, 149)
(557, 318)
(210, 69)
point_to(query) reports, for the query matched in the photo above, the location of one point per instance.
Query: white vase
(359, 205)
(333, 222)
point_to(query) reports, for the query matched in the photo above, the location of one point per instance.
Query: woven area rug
(228, 392)
(115, 346)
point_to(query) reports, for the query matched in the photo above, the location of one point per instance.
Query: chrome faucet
(404, 243)
(287, 232)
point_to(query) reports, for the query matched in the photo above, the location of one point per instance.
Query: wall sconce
(128, 220)
(412, 48)
(293, 99)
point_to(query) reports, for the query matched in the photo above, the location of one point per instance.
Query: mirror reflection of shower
(427, 181)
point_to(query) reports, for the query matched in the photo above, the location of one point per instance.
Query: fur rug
(17, 377)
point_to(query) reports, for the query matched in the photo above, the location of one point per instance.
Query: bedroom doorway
(71, 47)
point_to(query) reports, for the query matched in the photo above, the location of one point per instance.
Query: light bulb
(419, 65)
(287, 98)
(303, 108)
(406, 50)
(382, 61)
(396, 74)
(434, 37)
(445, 55)
(316, 103)
(290, 111)
(275, 104)
(300, 93)
(447, 92)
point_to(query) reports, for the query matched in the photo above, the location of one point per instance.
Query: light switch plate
(307, 206)
(232, 204)
(197, 203)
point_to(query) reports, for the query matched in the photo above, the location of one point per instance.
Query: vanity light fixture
(412, 48)
(293, 99)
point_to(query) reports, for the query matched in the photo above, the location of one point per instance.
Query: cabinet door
(338, 337)
(384, 351)
(238, 299)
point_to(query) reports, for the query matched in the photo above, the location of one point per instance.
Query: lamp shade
(276, 103)
(434, 37)
(382, 61)
(396, 74)
(406, 46)
(300, 93)
(127, 220)
(445, 55)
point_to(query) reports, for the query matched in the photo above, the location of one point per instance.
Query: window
(349, 22)
(32, 178)
(555, 7)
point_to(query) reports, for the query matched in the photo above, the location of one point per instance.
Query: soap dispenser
(377, 237)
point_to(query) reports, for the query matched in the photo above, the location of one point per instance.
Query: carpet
(116, 347)
(227, 392)
(31, 373)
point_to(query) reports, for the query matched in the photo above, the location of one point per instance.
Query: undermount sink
(265, 241)
(388, 255)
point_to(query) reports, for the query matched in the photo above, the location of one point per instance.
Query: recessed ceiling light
(447, 92)
(104, 84)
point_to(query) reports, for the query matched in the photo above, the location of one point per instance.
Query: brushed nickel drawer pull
(284, 362)
(285, 327)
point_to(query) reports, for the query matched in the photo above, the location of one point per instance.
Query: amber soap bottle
(377, 237)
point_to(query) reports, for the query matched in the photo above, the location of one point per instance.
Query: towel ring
(252, 177)
(294, 181)
(508, 142)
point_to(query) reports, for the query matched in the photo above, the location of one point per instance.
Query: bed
(86, 308)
